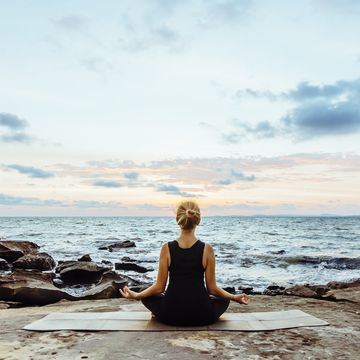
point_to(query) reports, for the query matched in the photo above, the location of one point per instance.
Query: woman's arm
(160, 283)
(210, 279)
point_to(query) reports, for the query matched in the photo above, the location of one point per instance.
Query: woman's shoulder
(208, 247)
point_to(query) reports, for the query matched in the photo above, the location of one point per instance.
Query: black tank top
(186, 301)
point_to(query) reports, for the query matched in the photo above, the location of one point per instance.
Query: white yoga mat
(142, 321)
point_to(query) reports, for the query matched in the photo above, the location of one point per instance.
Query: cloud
(15, 127)
(322, 118)
(12, 121)
(235, 176)
(241, 176)
(320, 110)
(96, 64)
(9, 200)
(263, 129)
(107, 184)
(224, 12)
(137, 39)
(173, 190)
(31, 171)
(131, 175)
(96, 204)
(71, 22)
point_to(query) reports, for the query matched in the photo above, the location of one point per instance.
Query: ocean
(255, 251)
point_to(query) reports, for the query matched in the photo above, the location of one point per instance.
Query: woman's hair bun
(188, 215)
(190, 212)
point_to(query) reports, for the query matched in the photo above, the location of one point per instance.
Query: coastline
(37, 288)
(338, 340)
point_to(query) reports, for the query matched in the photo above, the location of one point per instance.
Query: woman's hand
(241, 299)
(129, 294)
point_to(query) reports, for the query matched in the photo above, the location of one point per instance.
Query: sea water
(250, 251)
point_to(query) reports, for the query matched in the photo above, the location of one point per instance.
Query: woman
(186, 301)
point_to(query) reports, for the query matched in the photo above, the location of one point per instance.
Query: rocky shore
(33, 284)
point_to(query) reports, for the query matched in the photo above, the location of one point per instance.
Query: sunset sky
(127, 107)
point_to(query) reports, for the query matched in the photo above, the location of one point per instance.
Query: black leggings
(219, 304)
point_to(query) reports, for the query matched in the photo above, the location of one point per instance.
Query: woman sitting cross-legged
(186, 301)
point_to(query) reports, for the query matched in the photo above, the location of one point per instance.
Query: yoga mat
(142, 321)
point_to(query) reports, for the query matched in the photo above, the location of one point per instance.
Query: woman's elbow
(160, 288)
(212, 289)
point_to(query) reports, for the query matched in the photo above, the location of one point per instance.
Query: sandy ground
(339, 340)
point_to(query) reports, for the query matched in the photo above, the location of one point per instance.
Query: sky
(116, 108)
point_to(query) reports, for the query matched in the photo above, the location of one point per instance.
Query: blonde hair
(188, 215)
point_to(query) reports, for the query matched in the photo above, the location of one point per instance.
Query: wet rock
(30, 287)
(127, 258)
(273, 290)
(81, 272)
(139, 288)
(229, 289)
(320, 290)
(85, 258)
(119, 245)
(131, 266)
(107, 262)
(20, 274)
(39, 261)
(11, 250)
(302, 291)
(4, 265)
(107, 287)
(278, 252)
(246, 289)
(343, 284)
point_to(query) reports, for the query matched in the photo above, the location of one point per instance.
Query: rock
(131, 266)
(21, 274)
(11, 250)
(273, 290)
(4, 265)
(127, 258)
(107, 262)
(39, 261)
(319, 289)
(31, 287)
(85, 258)
(229, 289)
(131, 281)
(81, 272)
(119, 245)
(107, 287)
(140, 288)
(277, 252)
(302, 291)
(10, 304)
(343, 284)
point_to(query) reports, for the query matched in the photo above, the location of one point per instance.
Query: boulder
(21, 274)
(246, 289)
(81, 272)
(107, 287)
(30, 288)
(4, 265)
(11, 250)
(302, 291)
(39, 261)
(85, 258)
(343, 284)
(107, 262)
(119, 245)
(273, 290)
(131, 266)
